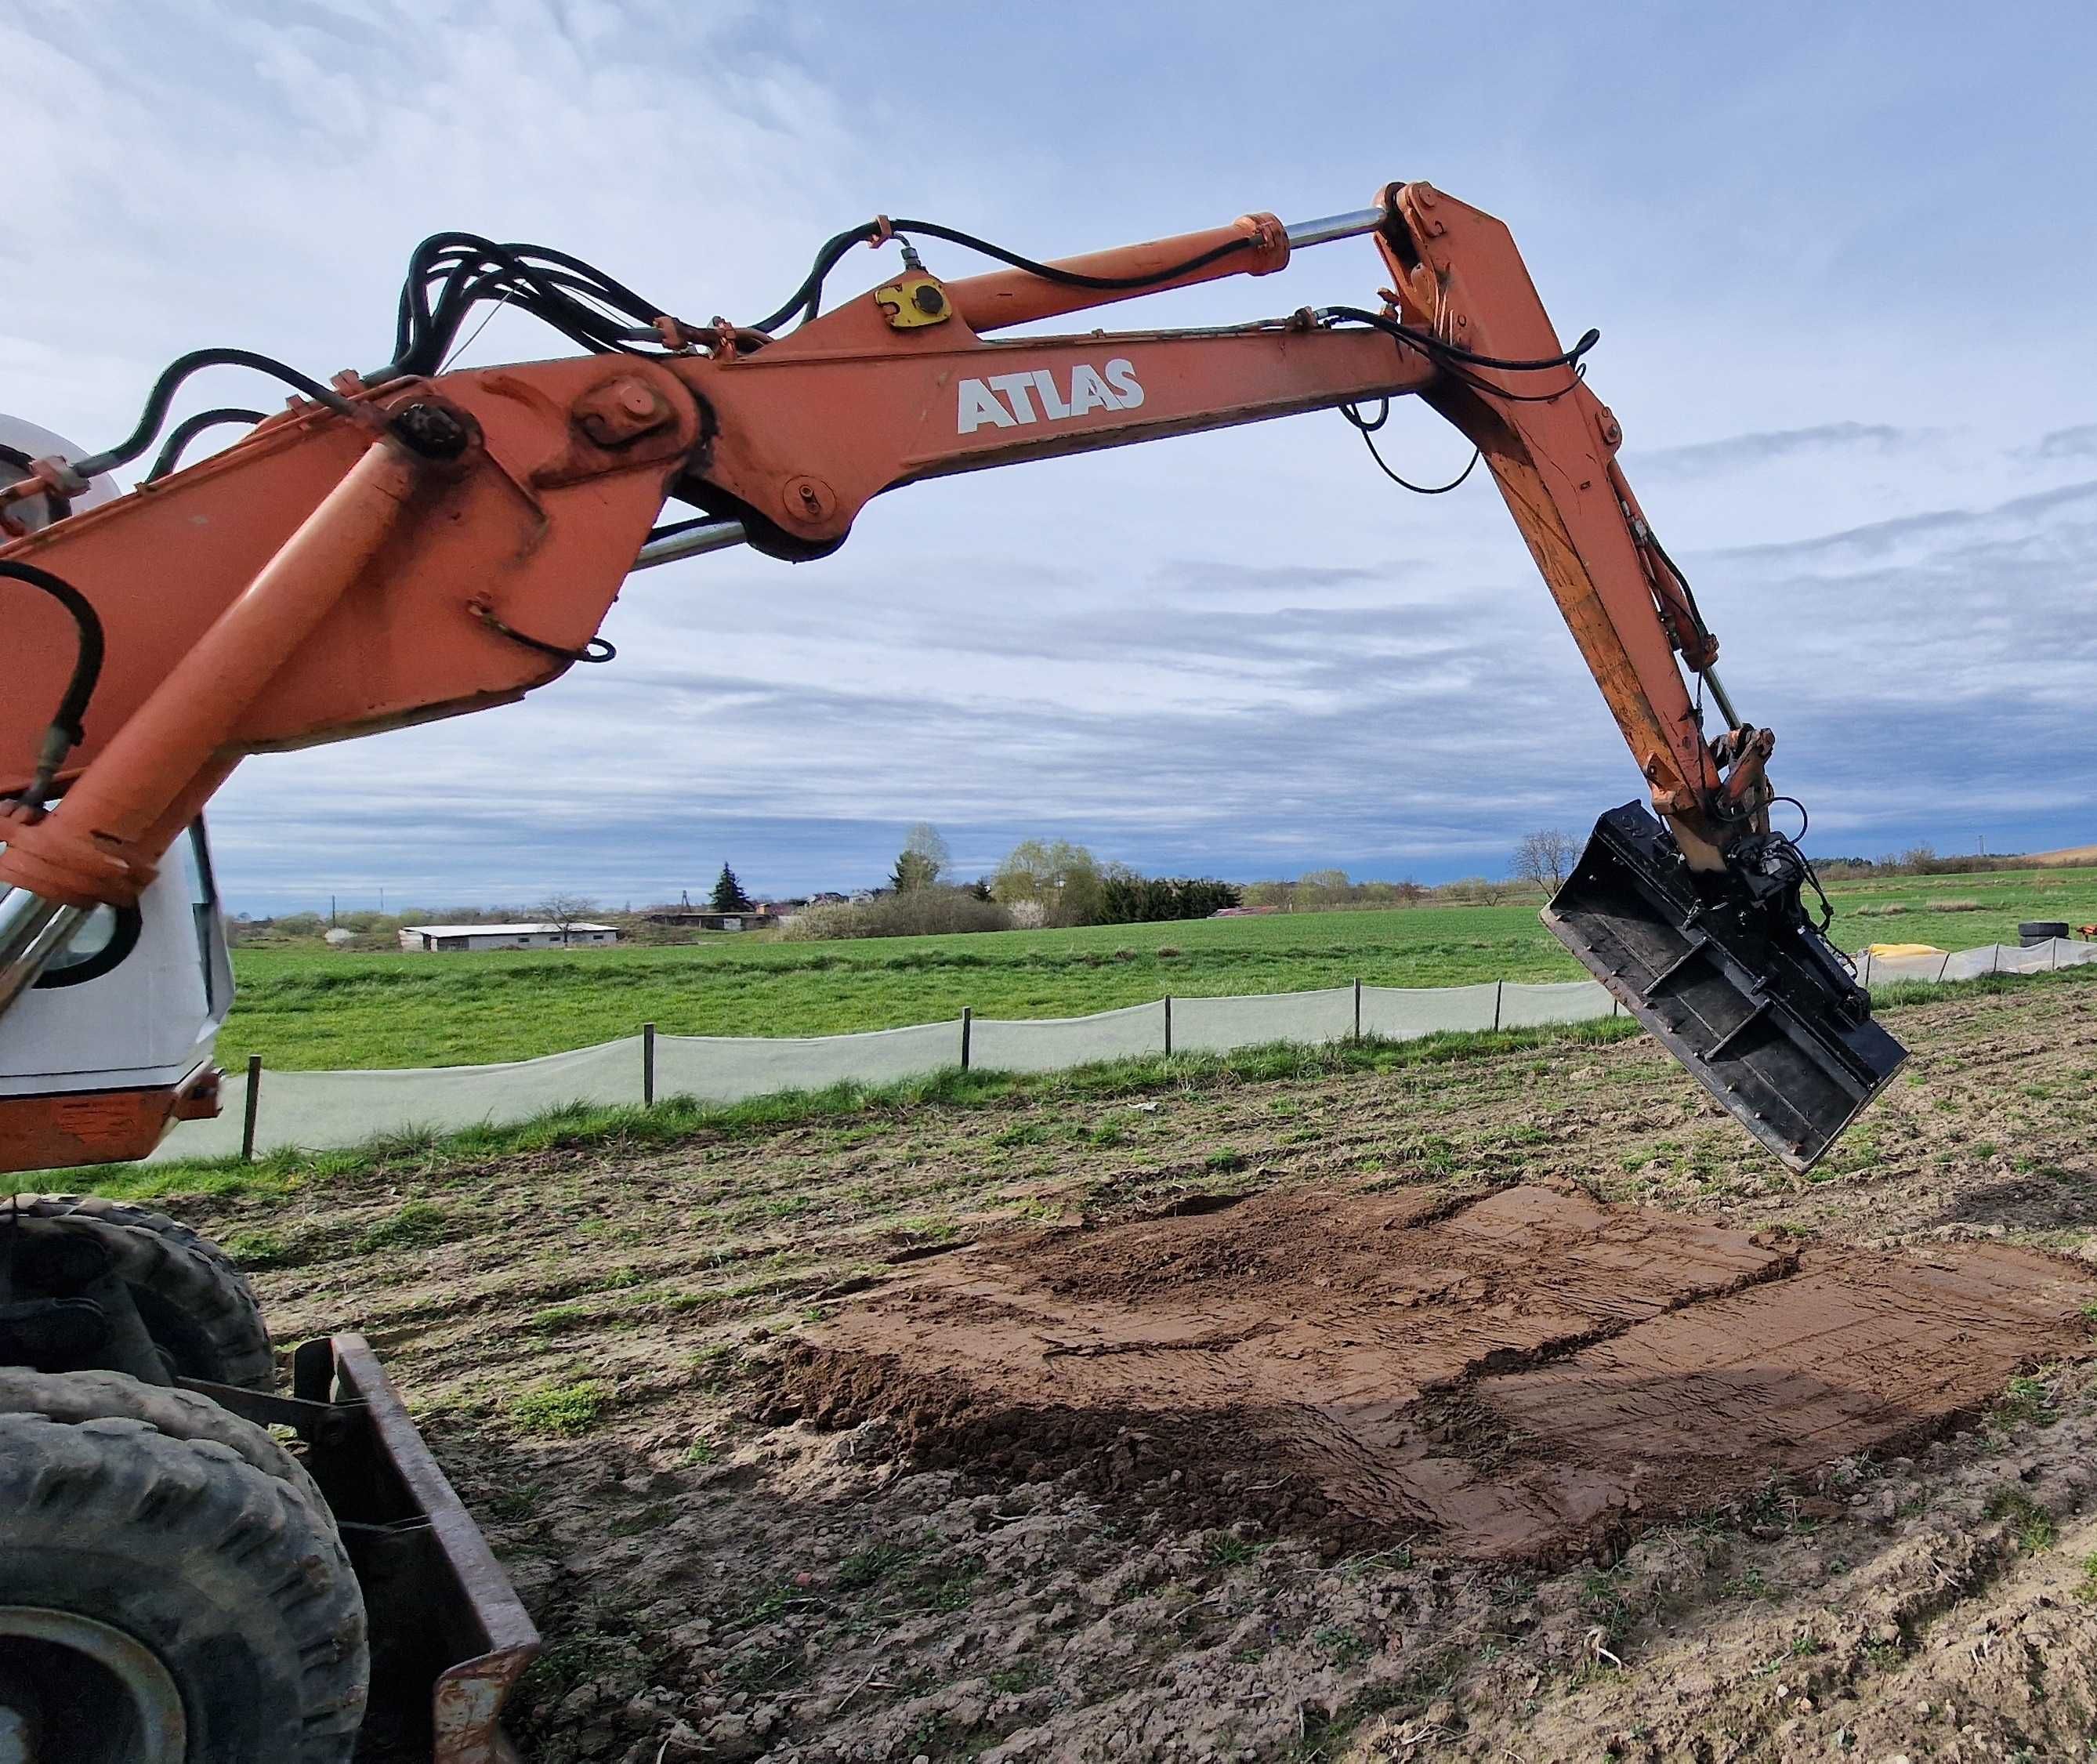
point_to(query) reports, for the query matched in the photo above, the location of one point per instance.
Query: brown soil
(716, 1585)
(1515, 1377)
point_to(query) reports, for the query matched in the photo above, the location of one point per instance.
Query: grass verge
(680, 1119)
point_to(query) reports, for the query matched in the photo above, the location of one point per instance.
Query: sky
(1840, 258)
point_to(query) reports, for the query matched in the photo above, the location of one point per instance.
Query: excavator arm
(417, 544)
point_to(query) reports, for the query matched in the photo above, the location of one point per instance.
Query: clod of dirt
(1519, 1376)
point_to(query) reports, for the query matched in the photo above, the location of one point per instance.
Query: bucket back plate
(1734, 981)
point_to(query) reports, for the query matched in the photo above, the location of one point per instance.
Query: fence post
(1866, 980)
(648, 1065)
(1168, 1026)
(1499, 987)
(1995, 962)
(1358, 1010)
(1943, 967)
(253, 1101)
(968, 1021)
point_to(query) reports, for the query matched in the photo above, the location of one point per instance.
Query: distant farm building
(761, 918)
(444, 938)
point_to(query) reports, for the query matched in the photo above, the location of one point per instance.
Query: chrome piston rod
(32, 929)
(1303, 234)
(694, 541)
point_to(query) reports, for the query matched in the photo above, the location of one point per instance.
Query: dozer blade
(1732, 979)
(448, 1637)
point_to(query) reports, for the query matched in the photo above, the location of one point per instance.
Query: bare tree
(1323, 888)
(923, 860)
(564, 913)
(1543, 859)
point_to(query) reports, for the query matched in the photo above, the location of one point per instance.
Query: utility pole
(331, 909)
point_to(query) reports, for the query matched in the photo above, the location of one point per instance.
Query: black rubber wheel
(2041, 930)
(168, 1594)
(74, 1397)
(195, 1304)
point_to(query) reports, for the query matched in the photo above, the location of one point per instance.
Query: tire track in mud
(1513, 1376)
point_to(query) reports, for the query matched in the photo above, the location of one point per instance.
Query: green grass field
(316, 1010)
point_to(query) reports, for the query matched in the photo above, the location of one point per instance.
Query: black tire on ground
(211, 1569)
(74, 1397)
(200, 1310)
(2040, 930)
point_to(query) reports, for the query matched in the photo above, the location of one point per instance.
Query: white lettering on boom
(1113, 388)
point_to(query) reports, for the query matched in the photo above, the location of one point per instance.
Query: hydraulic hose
(66, 730)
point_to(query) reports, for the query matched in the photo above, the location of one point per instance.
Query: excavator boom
(409, 543)
(414, 544)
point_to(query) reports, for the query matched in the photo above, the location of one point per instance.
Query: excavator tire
(75, 1397)
(171, 1591)
(200, 1312)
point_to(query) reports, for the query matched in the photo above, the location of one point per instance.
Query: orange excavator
(407, 543)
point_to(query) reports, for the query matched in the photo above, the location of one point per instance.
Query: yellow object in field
(1893, 952)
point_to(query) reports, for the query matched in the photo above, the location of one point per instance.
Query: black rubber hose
(164, 388)
(1696, 612)
(464, 269)
(805, 299)
(170, 455)
(811, 289)
(1074, 279)
(1456, 352)
(68, 722)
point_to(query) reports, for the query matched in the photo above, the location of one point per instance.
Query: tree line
(1541, 861)
(1039, 883)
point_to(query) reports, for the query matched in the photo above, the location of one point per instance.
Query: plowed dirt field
(1523, 1376)
(1511, 1408)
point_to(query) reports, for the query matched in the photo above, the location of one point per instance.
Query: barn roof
(502, 931)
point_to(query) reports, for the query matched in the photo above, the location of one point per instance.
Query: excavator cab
(1729, 973)
(115, 1037)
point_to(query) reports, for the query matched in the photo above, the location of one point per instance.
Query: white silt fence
(1402, 1013)
(314, 1111)
(1564, 1002)
(1056, 1043)
(1219, 1024)
(728, 1068)
(317, 1110)
(1973, 964)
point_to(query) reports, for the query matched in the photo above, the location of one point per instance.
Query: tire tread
(178, 1265)
(205, 1498)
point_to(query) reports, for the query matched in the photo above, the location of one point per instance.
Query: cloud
(220, 173)
(1932, 528)
(2077, 443)
(1241, 652)
(1738, 452)
(1929, 675)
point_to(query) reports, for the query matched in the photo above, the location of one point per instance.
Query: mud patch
(1514, 1378)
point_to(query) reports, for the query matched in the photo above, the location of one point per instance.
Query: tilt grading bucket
(1731, 976)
